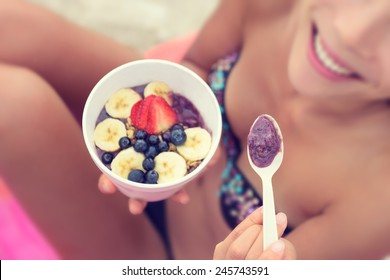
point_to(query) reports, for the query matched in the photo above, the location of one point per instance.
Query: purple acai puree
(264, 142)
(187, 113)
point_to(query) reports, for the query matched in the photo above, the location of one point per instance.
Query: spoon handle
(270, 234)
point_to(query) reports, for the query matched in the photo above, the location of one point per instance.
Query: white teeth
(327, 61)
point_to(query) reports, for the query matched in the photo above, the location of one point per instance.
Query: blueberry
(151, 177)
(178, 137)
(136, 175)
(153, 139)
(163, 146)
(166, 136)
(148, 164)
(177, 126)
(151, 152)
(140, 134)
(107, 158)
(124, 142)
(140, 146)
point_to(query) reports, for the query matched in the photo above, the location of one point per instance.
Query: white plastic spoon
(265, 154)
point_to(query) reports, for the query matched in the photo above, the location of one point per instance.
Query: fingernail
(106, 187)
(278, 246)
(134, 209)
(281, 218)
(184, 199)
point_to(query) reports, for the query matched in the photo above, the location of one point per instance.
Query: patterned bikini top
(238, 198)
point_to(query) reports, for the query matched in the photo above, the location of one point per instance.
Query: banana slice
(170, 166)
(197, 145)
(125, 161)
(120, 103)
(107, 134)
(160, 89)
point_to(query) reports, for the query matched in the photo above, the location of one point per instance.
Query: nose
(364, 26)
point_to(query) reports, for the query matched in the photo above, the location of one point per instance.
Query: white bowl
(182, 81)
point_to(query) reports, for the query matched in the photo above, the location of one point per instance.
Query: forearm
(71, 58)
(220, 36)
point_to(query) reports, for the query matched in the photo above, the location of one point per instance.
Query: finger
(275, 251)
(239, 248)
(289, 253)
(105, 185)
(136, 206)
(181, 197)
(255, 218)
(281, 249)
(257, 247)
(281, 222)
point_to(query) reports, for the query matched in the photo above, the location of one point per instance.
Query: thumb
(275, 251)
(136, 206)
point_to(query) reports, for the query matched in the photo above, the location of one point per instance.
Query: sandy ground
(137, 23)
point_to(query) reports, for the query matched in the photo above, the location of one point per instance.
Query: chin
(301, 76)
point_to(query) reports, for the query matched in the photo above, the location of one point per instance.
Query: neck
(306, 113)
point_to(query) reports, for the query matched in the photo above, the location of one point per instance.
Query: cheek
(299, 72)
(301, 75)
(384, 79)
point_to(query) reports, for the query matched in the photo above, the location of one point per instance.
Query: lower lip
(319, 66)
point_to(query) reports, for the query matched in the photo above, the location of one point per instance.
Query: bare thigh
(44, 160)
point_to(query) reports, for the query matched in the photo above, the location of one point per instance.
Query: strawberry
(161, 116)
(144, 111)
(134, 113)
(140, 111)
(153, 114)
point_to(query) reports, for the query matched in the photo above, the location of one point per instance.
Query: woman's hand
(137, 206)
(245, 242)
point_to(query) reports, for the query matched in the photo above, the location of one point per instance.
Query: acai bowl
(151, 126)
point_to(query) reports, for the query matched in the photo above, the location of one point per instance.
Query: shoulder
(249, 8)
(354, 225)
(269, 8)
(364, 216)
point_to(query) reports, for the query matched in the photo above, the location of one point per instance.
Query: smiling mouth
(326, 62)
